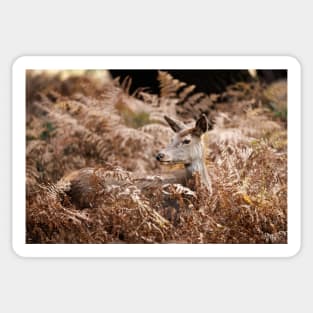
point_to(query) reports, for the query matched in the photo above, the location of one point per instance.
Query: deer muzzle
(160, 156)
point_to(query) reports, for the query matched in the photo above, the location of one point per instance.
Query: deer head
(186, 147)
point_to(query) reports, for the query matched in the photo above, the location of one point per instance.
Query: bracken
(77, 122)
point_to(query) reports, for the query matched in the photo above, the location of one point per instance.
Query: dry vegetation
(84, 120)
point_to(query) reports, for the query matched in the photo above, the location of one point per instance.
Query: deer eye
(186, 141)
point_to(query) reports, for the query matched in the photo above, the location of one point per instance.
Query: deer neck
(198, 165)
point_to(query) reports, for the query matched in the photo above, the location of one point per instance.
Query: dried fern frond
(190, 105)
(178, 189)
(168, 85)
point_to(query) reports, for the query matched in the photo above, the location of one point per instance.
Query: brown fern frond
(186, 92)
(190, 104)
(169, 85)
(126, 84)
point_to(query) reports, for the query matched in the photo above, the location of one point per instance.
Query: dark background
(207, 81)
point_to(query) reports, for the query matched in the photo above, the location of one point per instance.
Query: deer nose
(160, 156)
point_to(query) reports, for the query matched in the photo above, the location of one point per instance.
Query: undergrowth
(84, 121)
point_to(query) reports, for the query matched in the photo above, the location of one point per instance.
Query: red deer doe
(85, 185)
(187, 148)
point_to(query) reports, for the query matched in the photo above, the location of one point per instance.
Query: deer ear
(175, 125)
(201, 125)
